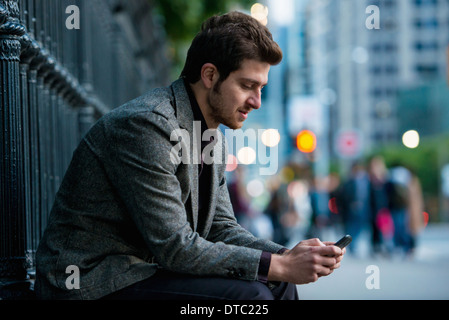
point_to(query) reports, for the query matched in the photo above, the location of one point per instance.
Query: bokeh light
(246, 155)
(260, 13)
(255, 188)
(231, 163)
(410, 139)
(306, 141)
(271, 137)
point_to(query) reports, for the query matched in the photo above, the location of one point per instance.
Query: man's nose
(255, 101)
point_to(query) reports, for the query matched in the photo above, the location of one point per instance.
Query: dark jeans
(165, 285)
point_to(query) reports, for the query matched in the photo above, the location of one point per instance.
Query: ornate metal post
(13, 261)
(30, 49)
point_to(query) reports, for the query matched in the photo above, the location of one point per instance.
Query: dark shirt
(204, 177)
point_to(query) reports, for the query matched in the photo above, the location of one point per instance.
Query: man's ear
(209, 75)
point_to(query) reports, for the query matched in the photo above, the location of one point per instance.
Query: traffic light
(306, 141)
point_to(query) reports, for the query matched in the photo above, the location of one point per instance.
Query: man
(138, 219)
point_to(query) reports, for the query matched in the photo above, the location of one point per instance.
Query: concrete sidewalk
(421, 278)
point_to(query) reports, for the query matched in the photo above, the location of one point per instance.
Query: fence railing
(63, 64)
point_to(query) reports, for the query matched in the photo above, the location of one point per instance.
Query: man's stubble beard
(215, 100)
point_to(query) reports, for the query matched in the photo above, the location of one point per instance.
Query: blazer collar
(184, 112)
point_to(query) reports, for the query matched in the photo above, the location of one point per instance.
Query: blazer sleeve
(136, 155)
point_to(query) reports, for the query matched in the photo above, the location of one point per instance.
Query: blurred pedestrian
(355, 204)
(275, 209)
(398, 203)
(380, 217)
(239, 197)
(415, 210)
(335, 192)
(319, 203)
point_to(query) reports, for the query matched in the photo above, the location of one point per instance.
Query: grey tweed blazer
(124, 209)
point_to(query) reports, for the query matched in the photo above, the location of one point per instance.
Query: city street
(421, 278)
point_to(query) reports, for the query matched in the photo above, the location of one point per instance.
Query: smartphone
(343, 242)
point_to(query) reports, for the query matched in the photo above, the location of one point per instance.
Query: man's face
(231, 101)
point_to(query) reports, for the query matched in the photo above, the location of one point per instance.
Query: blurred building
(429, 99)
(359, 72)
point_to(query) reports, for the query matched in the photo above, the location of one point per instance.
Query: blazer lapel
(185, 119)
(184, 115)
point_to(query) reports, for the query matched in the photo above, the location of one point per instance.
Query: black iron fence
(63, 64)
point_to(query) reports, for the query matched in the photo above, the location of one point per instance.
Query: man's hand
(306, 262)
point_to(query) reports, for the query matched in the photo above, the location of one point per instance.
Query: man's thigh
(165, 285)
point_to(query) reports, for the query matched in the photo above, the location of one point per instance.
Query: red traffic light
(306, 141)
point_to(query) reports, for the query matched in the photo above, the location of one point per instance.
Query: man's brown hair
(227, 40)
